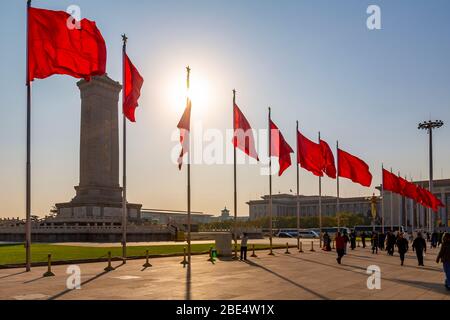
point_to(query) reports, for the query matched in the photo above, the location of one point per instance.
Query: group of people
(390, 240)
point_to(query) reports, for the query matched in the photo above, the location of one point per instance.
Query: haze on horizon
(312, 61)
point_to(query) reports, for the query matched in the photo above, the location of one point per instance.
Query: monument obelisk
(99, 194)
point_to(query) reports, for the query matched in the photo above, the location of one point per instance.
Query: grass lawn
(15, 254)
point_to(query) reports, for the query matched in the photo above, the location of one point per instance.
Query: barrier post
(184, 262)
(49, 272)
(109, 267)
(287, 248)
(301, 247)
(147, 263)
(312, 247)
(254, 253)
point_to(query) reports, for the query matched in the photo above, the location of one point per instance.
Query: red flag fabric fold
(310, 156)
(329, 167)
(391, 182)
(56, 48)
(280, 148)
(133, 86)
(353, 168)
(185, 127)
(243, 138)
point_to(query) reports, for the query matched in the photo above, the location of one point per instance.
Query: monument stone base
(80, 211)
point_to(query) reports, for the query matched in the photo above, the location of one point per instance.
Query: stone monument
(99, 194)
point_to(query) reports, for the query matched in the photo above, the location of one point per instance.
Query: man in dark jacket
(444, 256)
(402, 245)
(390, 243)
(363, 239)
(434, 239)
(353, 239)
(381, 239)
(420, 246)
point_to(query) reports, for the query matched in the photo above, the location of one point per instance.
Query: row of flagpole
(184, 126)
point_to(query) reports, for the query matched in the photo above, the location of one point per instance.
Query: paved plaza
(298, 276)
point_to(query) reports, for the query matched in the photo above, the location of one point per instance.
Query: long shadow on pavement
(59, 295)
(12, 275)
(254, 264)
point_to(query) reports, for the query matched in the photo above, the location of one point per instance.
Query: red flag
(403, 185)
(243, 135)
(329, 166)
(410, 190)
(185, 128)
(423, 197)
(133, 85)
(391, 182)
(433, 201)
(280, 148)
(353, 168)
(55, 48)
(310, 156)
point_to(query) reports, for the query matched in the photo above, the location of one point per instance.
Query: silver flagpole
(270, 182)
(382, 199)
(235, 186)
(392, 209)
(124, 163)
(337, 182)
(28, 164)
(320, 207)
(298, 191)
(189, 177)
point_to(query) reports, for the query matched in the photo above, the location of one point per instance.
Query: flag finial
(124, 38)
(188, 69)
(29, 3)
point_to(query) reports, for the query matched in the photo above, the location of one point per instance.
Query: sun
(198, 93)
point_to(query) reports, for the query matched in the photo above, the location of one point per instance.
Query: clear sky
(314, 61)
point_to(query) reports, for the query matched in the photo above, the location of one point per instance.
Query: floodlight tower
(430, 126)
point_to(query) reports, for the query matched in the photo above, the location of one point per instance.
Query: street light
(430, 126)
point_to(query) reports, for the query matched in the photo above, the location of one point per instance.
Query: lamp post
(430, 126)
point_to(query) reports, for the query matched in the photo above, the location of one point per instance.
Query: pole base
(48, 274)
(109, 269)
(184, 263)
(271, 254)
(147, 265)
(287, 252)
(254, 256)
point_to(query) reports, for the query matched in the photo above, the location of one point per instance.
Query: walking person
(244, 241)
(381, 240)
(444, 256)
(326, 242)
(374, 242)
(340, 247)
(434, 239)
(346, 241)
(353, 239)
(420, 246)
(403, 246)
(363, 239)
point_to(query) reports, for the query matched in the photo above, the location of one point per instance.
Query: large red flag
(243, 134)
(403, 185)
(310, 156)
(423, 197)
(353, 168)
(133, 85)
(280, 148)
(329, 166)
(56, 48)
(390, 182)
(185, 128)
(433, 202)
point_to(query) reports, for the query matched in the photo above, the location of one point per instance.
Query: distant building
(165, 217)
(285, 205)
